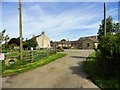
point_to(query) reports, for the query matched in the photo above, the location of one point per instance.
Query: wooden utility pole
(105, 18)
(20, 29)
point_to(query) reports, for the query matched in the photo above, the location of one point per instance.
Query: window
(88, 45)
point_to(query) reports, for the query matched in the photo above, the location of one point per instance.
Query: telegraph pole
(105, 18)
(20, 29)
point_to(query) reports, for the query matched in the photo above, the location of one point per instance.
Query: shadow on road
(81, 57)
(79, 70)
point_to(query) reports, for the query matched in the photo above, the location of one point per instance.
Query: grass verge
(29, 66)
(93, 69)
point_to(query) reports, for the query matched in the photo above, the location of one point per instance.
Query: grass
(29, 66)
(95, 73)
(11, 54)
(90, 65)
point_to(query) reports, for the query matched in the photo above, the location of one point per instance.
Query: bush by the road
(96, 74)
(104, 68)
(109, 54)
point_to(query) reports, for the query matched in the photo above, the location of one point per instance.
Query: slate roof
(94, 40)
(79, 41)
(38, 35)
(66, 42)
(76, 42)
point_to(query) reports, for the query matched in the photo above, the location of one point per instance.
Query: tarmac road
(66, 72)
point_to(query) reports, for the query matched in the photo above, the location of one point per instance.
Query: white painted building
(43, 41)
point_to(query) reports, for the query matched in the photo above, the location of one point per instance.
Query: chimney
(33, 36)
(43, 33)
(96, 36)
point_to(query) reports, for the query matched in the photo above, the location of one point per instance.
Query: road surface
(66, 72)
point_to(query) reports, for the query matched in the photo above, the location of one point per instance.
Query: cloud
(65, 21)
(57, 23)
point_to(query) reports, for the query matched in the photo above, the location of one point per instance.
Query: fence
(37, 55)
(31, 55)
(28, 56)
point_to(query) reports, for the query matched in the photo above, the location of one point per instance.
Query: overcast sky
(69, 20)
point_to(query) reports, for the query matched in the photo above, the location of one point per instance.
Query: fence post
(47, 51)
(31, 56)
(5, 56)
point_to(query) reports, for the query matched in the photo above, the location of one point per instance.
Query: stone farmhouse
(82, 43)
(62, 44)
(85, 43)
(43, 41)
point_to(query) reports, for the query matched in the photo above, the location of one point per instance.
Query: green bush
(96, 73)
(16, 65)
(51, 52)
(105, 70)
(39, 55)
(109, 54)
(60, 49)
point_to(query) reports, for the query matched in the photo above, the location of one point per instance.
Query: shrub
(109, 54)
(60, 49)
(51, 52)
(39, 55)
(15, 65)
(96, 73)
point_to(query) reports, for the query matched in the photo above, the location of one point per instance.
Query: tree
(30, 43)
(6, 41)
(11, 47)
(108, 27)
(14, 41)
(116, 27)
(3, 38)
(111, 27)
(33, 43)
(51, 41)
(26, 45)
(63, 40)
(109, 48)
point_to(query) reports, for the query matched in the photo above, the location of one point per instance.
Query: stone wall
(88, 44)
